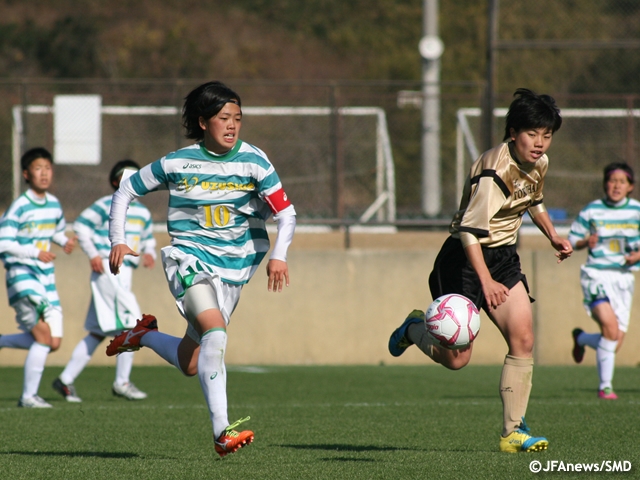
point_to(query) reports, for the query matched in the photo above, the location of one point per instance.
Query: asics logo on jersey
(191, 165)
(215, 374)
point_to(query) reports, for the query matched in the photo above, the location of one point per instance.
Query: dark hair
(34, 154)
(612, 167)
(530, 110)
(118, 168)
(205, 101)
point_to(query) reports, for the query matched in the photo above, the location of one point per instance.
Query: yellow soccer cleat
(521, 440)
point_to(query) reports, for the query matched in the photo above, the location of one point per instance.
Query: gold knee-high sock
(515, 388)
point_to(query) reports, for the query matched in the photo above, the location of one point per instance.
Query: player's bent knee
(454, 359)
(190, 371)
(456, 363)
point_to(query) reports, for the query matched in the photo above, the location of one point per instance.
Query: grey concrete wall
(341, 306)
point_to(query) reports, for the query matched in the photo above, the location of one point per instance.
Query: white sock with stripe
(606, 358)
(33, 368)
(213, 377)
(79, 359)
(124, 363)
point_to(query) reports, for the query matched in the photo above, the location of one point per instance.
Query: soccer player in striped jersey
(222, 190)
(113, 306)
(480, 261)
(27, 228)
(610, 229)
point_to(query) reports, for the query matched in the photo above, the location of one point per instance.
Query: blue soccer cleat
(399, 341)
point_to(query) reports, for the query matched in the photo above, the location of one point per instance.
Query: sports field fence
(347, 152)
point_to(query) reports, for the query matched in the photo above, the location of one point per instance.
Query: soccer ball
(453, 321)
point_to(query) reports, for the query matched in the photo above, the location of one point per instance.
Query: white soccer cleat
(33, 402)
(128, 391)
(67, 391)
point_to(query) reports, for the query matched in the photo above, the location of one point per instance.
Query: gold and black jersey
(497, 192)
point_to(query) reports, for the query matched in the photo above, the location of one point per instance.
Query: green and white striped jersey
(92, 229)
(618, 230)
(218, 205)
(29, 226)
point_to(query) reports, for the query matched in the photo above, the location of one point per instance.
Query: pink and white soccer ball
(453, 321)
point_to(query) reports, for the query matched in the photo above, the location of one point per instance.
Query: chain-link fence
(329, 152)
(587, 55)
(328, 162)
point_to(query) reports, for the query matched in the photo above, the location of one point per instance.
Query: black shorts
(453, 273)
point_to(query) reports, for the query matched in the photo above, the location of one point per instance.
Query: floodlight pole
(431, 49)
(491, 57)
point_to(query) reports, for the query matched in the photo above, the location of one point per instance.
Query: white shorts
(209, 289)
(113, 307)
(27, 316)
(613, 286)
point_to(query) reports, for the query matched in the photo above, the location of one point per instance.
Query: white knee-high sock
(606, 358)
(22, 341)
(79, 359)
(124, 362)
(589, 339)
(213, 377)
(33, 368)
(164, 345)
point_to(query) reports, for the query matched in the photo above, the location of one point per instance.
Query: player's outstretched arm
(116, 257)
(561, 245)
(277, 268)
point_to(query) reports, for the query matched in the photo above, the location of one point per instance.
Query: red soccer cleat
(230, 441)
(129, 341)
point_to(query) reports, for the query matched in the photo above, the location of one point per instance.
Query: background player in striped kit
(27, 228)
(113, 307)
(610, 229)
(222, 190)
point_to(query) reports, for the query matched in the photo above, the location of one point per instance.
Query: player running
(31, 223)
(610, 229)
(113, 306)
(479, 260)
(222, 190)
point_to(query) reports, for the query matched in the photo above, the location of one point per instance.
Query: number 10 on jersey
(216, 216)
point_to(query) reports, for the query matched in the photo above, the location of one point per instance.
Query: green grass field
(316, 423)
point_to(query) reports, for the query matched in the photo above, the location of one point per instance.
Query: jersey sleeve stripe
(478, 232)
(496, 179)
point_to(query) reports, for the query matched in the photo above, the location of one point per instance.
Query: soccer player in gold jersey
(479, 260)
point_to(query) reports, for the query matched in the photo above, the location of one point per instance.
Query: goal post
(466, 147)
(383, 206)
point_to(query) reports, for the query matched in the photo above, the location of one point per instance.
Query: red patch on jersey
(277, 201)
